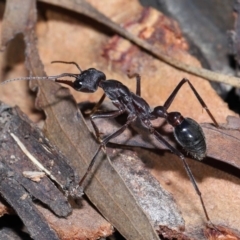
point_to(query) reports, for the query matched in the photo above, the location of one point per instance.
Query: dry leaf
(90, 47)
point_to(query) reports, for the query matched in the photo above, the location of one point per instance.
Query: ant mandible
(187, 132)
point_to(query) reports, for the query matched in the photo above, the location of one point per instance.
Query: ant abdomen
(190, 136)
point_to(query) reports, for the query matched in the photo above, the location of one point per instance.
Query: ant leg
(138, 85)
(175, 91)
(188, 170)
(97, 105)
(103, 144)
(109, 115)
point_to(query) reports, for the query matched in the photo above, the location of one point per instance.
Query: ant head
(88, 80)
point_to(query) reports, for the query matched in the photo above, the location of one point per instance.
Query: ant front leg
(97, 105)
(175, 91)
(108, 138)
(187, 168)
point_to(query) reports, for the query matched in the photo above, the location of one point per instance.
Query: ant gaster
(187, 132)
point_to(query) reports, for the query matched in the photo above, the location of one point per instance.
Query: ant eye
(77, 85)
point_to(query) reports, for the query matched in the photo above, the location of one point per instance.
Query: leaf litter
(153, 90)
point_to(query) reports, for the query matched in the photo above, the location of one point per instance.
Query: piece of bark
(14, 182)
(21, 201)
(16, 132)
(10, 234)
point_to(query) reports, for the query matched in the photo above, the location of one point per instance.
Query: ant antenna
(68, 63)
(53, 78)
(31, 78)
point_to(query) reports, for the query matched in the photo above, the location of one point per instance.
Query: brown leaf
(16, 196)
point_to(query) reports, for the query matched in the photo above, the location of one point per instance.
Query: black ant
(187, 132)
